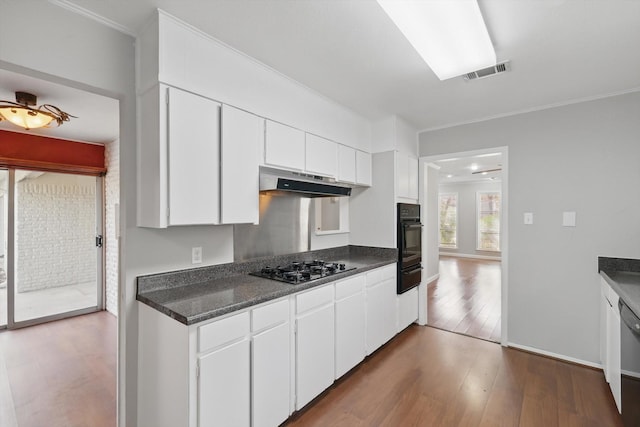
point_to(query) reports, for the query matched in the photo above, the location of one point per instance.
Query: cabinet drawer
(223, 331)
(349, 287)
(315, 298)
(269, 315)
(389, 272)
(374, 277)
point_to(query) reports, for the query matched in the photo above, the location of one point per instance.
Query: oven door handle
(412, 225)
(413, 270)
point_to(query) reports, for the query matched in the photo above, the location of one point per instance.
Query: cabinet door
(402, 175)
(613, 357)
(284, 146)
(407, 308)
(242, 136)
(363, 168)
(346, 164)
(604, 346)
(194, 159)
(321, 156)
(270, 366)
(381, 314)
(223, 387)
(314, 354)
(350, 333)
(375, 317)
(413, 178)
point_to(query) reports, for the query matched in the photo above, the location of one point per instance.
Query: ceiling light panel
(451, 36)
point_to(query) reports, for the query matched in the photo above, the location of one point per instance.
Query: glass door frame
(10, 259)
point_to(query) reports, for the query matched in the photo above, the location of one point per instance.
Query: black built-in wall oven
(409, 246)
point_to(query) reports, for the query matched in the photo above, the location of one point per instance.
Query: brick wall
(112, 199)
(55, 231)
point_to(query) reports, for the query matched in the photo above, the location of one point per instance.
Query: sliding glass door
(54, 249)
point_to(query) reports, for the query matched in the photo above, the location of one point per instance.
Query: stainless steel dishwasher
(630, 365)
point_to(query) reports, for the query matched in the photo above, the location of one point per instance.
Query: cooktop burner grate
(302, 271)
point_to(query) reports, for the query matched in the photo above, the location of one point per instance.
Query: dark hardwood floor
(429, 377)
(61, 373)
(466, 298)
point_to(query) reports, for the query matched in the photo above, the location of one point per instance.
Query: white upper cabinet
(242, 138)
(363, 168)
(178, 169)
(321, 156)
(413, 178)
(346, 164)
(284, 146)
(407, 176)
(194, 156)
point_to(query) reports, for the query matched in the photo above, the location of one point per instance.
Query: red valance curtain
(26, 151)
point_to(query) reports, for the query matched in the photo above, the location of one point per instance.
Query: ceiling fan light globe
(25, 117)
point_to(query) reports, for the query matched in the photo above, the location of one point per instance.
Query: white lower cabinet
(223, 386)
(270, 365)
(407, 308)
(381, 307)
(314, 344)
(610, 342)
(350, 324)
(223, 372)
(237, 370)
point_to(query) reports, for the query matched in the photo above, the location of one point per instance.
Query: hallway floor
(466, 298)
(60, 374)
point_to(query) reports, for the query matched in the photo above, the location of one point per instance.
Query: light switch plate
(528, 218)
(196, 255)
(568, 219)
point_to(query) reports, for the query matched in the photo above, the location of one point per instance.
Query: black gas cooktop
(303, 271)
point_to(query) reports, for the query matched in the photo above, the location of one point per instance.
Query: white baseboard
(431, 279)
(555, 355)
(489, 257)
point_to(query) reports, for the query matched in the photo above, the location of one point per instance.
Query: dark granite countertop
(623, 275)
(194, 295)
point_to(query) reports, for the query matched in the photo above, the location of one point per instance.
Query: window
(488, 216)
(448, 214)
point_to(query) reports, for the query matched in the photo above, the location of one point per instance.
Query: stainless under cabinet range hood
(272, 180)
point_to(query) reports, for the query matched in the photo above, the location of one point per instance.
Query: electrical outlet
(196, 255)
(528, 218)
(568, 219)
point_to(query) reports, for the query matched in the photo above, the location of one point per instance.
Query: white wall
(583, 158)
(111, 202)
(430, 222)
(373, 210)
(55, 230)
(467, 224)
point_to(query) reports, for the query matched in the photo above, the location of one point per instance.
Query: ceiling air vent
(487, 72)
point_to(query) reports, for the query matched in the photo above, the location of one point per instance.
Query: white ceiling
(481, 168)
(97, 116)
(560, 51)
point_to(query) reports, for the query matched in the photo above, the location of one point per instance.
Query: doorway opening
(52, 264)
(467, 291)
(57, 212)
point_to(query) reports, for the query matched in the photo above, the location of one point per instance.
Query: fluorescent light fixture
(450, 35)
(474, 166)
(449, 176)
